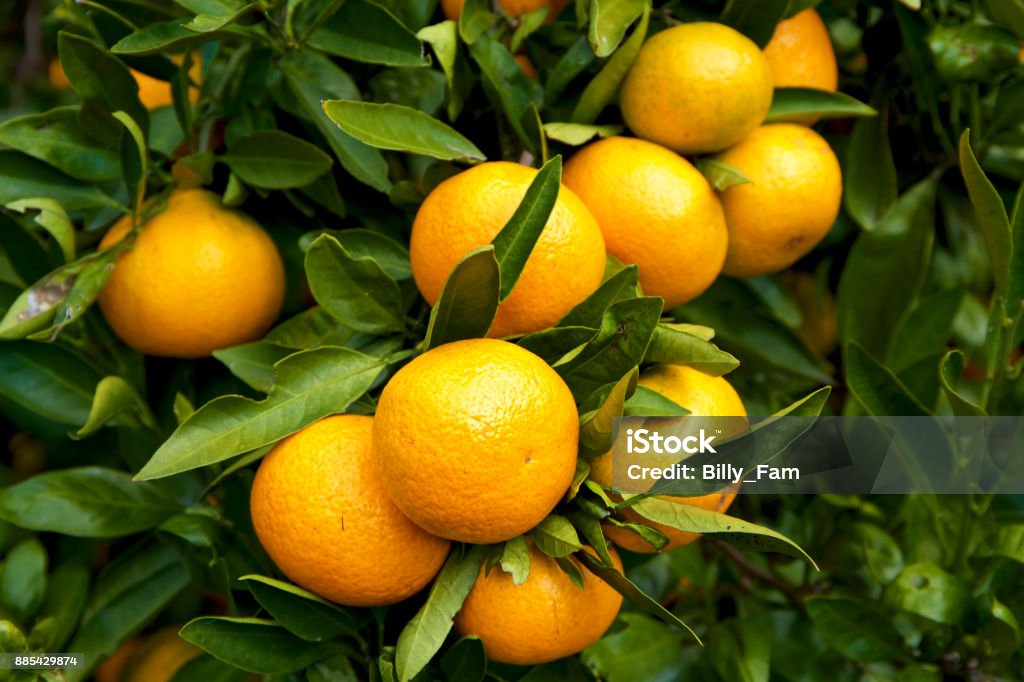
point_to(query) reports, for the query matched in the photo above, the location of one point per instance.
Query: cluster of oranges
(477, 441)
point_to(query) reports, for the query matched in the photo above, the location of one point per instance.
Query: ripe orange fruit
(453, 8)
(819, 327)
(159, 657)
(467, 210)
(703, 396)
(789, 205)
(800, 53)
(655, 209)
(697, 88)
(319, 509)
(200, 277)
(546, 618)
(476, 440)
(153, 92)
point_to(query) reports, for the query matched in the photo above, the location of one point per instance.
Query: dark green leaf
(47, 380)
(602, 89)
(951, 368)
(366, 32)
(511, 90)
(597, 426)
(678, 347)
(303, 613)
(755, 19)
(101, 78)
(355, 291)
(468, 302)
(23, 581)
(514, 243)
(465, 661)
(989, 212)
(869, 175)
(644, 650)
(876, 387)
(556, 537)
(259, 646)
(276, 160)
(310, 385)
(161, 37)
(22, 176)
(423, 636)
(854, 629)
(86, 502)
(57, 138)
(254, 362)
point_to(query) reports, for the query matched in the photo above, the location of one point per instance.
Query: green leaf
(609, 20)
(355, 291)
(575, 60)
(209, 669)
(894, 259)
(647, 403)
(620, 286)
(799, 104)
(100, 78)
(161, 37)
(366, 32)
(876, 387)
(312, 78)
(625, 333)
(61, 385)
(1008, 13)
(259, 646)
(855, 629)
(727, 528)
(468, 302)
(474, 20)
(57, 138)
(929, 591)
(390, 126)
(117, 402)
(869, 174)
(511, 90)
(721, 175)
(276, 160)
(310, 385)
(22, 176)
(928, 329)
(423, 636)
(134, 160)
(52, 218)
(677, 347)
(629, 590)
(643, 650)
(23, 581)
(207, 23)
(951, 368)
(740, 648)
(576, 134)
(66, 592)
(254, 362)
(989, 212)
(303, 613)
(603, 88)
(1015, 283)
(444, 40)
(129, 592)
(89, 502)
(755, 19)
(597, 426)
(514, 243)
(556, 537)
(515, 559)
(466, 661)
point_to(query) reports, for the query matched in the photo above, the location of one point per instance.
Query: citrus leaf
(647, 403)
(721, 175)
(57, 138)
(310, 385)
(366, 32)
(424, 634)
(628, 589)
(728, 528)
(602, 89)
(468, 302)
(88, 502)
(62, 384)
(576, 134)
(674, 346)
(301, 612)
(466, 661)
(597, 426)
(556, 537)
(755, 19)
(134, 159)
(618, 287)
(355, 291)
(312, 78)
(115, 401)
(399, 128)
(951, 368)
(22, 176)
(474, 19)
(796, 104)
(514, 243)
(161, 37)
(253, 644)
(876, 387)
(23, 581)
(276, 160)
(515, 559)
(101, 79)
(444, 40)
(254, 362)
(511, 90)
(854, 629)
(869, 178)
(990, 213)
(609, 20)
(52, 218)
